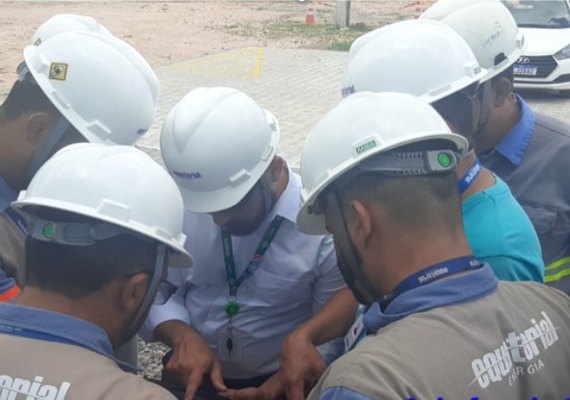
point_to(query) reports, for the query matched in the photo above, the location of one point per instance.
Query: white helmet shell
(98, 82)
(424, 58)
(217, 143)
(119, 185)
(487, 26)
(360, 126)
(60, 23)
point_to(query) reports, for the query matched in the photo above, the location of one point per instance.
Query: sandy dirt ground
(167, 32)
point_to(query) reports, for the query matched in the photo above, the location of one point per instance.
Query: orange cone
(310, 15)
(419, 9)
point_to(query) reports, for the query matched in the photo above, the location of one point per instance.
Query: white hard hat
(99, 83)
(217, 143)
(424, 58)
(64, 23)
(119, 185)
(359, 127)
(487, 26)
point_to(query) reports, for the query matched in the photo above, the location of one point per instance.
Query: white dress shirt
(297, 276)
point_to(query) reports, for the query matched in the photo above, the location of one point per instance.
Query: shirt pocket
(282, 293)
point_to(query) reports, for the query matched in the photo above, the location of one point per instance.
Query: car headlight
(563, 54)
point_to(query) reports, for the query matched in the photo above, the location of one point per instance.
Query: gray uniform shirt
(66, 372)
(534, 160)
(511, 344)
(48, 355)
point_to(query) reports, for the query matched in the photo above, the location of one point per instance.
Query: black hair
(419, 203)
(75, 271)
(24, 97)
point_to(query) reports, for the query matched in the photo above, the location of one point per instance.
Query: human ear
(502, 88)
(37, 126)
(359, 224)
(275, 169)
(133, 292)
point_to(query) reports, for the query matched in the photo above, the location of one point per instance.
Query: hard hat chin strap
(156, 280)
(486, 99)
(47, 146)
(348, 260)
(269, 198)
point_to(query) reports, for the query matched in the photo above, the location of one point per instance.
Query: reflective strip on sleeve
(557, 270)
(10, 294)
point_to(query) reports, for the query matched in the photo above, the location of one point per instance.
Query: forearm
(273, 388)
(332, 320)
(173, 332)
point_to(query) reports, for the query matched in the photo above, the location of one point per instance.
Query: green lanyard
(234, 282)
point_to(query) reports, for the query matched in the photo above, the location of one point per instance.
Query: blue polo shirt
(514, 145)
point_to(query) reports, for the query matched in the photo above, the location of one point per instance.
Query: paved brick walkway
(298, 86)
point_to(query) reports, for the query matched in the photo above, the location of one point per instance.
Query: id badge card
(230, 344)
(356, 332)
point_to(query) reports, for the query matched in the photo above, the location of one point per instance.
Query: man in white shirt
(256, 277)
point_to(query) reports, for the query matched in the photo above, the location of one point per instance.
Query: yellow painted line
(235, 63)
(203, 62)
(258, 63)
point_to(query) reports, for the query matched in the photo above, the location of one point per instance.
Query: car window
(540, 13)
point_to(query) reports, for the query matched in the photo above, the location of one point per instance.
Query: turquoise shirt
(501, 234)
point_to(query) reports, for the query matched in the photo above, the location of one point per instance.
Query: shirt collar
(288, 204)
(7, 195)
(456, 289)
(15, 317)
(514, 145)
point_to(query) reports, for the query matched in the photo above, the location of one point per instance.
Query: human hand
(301, 365)
(271, 389)
(192, 360)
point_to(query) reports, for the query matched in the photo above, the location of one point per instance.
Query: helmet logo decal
(366, 146)
(493, 36)
(188, 175)
(58, 71)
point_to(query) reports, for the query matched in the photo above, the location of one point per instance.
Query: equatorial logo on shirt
(14, 388)
(519, 354)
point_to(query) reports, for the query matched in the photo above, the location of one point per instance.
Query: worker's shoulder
(557, 128)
